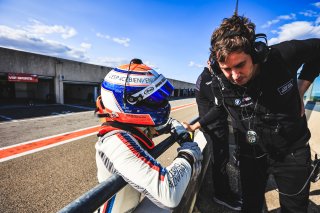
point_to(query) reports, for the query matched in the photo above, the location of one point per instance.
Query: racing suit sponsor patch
(175, 174)
(209, 82)
(286, 87)
(243, 102)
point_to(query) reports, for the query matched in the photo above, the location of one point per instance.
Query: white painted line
(62, 142)
(53, 136)
(45, 117)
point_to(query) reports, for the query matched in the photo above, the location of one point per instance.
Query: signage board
(22, 77)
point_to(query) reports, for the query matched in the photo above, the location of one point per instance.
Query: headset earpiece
(215, 67)
(260, 49)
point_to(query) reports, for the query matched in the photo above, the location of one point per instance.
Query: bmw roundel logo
(237, 102)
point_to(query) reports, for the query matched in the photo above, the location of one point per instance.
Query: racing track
(47, 180)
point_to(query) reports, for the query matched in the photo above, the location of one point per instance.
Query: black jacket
(205, 101)
(270, 103)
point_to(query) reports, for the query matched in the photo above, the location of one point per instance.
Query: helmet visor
(154, 94)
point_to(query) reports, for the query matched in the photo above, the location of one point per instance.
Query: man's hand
(191, 128)
(192, 153)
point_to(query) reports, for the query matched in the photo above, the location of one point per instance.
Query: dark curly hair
(235, 34)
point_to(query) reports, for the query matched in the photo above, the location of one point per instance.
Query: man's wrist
(195, 126)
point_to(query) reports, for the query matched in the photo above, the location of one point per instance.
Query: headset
(259, 46)
(260, 49)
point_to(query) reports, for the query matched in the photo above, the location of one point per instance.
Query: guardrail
(94, 198)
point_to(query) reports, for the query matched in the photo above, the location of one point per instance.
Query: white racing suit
(119, 152)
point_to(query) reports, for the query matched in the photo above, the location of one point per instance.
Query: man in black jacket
(259, 89)
(216, 134)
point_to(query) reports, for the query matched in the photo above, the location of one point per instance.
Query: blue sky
(170, 35)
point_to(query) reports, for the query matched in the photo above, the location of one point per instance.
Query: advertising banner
(22, 77)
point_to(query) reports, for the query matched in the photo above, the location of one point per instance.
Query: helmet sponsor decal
(132, 80)
(148, 90)
(161, 82)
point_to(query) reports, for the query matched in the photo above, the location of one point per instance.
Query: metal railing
(97, 196)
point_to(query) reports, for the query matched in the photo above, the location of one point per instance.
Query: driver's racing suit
(118, 151)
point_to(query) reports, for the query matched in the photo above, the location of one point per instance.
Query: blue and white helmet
(135, 94)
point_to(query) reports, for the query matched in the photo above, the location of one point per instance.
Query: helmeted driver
(134, 107)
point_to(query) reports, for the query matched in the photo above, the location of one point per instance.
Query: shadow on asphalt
(313, 208)
(205, 203)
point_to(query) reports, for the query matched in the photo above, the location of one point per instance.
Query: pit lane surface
(47, 180)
